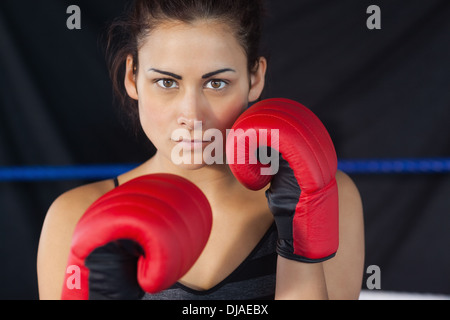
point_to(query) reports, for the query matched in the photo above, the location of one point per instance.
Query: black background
(381, 93)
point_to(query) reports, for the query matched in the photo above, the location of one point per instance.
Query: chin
(204, 163)
(193, 166)
(195, 159)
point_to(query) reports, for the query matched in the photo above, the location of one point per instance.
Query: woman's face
(191, 77)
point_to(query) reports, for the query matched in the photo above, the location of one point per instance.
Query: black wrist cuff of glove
(113, 271)
(285, 248)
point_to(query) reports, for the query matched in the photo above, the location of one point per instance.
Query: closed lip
(192, 144)
(190, 141)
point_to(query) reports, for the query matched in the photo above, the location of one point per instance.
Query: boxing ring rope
(391, 166)
(99, 171)
(63, 172)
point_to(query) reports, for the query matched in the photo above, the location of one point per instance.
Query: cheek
(153, 121)
(228, 109)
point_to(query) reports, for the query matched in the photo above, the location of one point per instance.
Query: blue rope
(94, 172)
(391, 166)
(69, 172)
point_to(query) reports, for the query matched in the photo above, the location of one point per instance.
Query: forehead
(202, 44)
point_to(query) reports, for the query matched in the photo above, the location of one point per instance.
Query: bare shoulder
(344, 272)
(73, 203)
(68, 208)
(56, 234)
(348, 192)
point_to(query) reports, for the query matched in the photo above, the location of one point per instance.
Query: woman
(175, 64)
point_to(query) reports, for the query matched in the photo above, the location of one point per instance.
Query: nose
(191, 110)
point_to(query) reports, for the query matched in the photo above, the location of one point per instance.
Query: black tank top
(253, 279)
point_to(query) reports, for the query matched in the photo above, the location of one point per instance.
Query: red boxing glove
(142, 236)
(303, 195)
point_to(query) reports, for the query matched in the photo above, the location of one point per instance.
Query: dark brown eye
(167, 83)
(216, 84)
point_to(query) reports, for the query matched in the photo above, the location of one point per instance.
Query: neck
(211, 179)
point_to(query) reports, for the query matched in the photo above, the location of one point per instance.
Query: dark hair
(126, 33)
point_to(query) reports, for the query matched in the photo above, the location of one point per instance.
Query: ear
(130, 78)
(257, 80)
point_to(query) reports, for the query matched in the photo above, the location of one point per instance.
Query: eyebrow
(205, 76)
(170, 74)
(211, 74)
